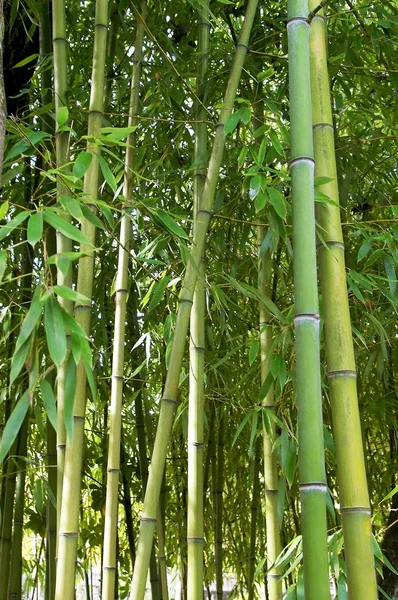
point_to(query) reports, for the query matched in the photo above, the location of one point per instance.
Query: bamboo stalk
(169, 399)
(113, 468)
(312, 477)
(255, 506)
(218, 508)
(354, 498)
(64, 244)
(195, 527)
(51, 517)
(69, 520)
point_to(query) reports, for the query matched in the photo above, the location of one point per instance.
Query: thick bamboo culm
(169, 399)
(353, 491)
(195, 531)
(274, 582)
(312, 479)
(64, 244)
(121, 290)
(69, 519)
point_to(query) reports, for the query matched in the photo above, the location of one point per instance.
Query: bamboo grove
(198, 300)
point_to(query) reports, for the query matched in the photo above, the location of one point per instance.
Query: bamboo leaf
(240, 428)
(82, 164)
(70, 390)
(49, 402)
(19, 359)
(232, 122)
(35, 228)
(6, 229)
(62, 115)
(31, 319)
(13, 424)
(277, 201)
(275, 142)
(158, 292)
(65, 228)
(3, 263)
(70, 294)
(171, 224)
(55, 330)
(253, 351)
(25, 61)
(107, 173)
(4, 206)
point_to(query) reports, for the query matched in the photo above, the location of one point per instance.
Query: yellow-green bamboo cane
(64, 244)
(169, 399)
(113, 468)
(312, 479)
(274, 582)
(69, 521)
(354, 499)
(195, 533)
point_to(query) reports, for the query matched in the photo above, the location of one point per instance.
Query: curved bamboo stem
(354, 499)
(113, 468)
(69, 520)
(169, 399)
(312, 477)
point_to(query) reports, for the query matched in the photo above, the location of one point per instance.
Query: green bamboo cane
(313, 487)
(69, 521)
(113, 468)
(218, 483)
(255, 508)
(64, 244)
(169, 399)
(15, 581)
(195, 531)
(51, 516)
(274, 583)
(354, 498)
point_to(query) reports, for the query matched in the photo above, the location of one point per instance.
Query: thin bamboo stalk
(274, 583)
(255, 506)
(69, 520)
(113, 468)
(15, 581)
(7, 514)
(64, 244)
(195, 527)
(218, 508)
(51, 518)
(353, 491)
(312, 477)
(169, 399)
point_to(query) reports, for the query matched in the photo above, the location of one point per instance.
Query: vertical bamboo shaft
(218, 509)
(354, 499)
(255, 507)
(169, 399)
(113, 467)
(274, 583)
(64, 244)
(308, 386)
(195, 533)
(69, 520)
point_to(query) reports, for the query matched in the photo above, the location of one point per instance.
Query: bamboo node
(356, 509)
(186, 300)
(195, 540)
(147, 519)
(169, 401)
(198, 444)
(109, 568)
(303, 317)
(298, 20)
(330, 125)
(342, 373)
(66, 534)
(315, 486)
(301, 159)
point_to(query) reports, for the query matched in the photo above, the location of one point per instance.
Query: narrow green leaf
(231, 122)
(255, 185)
(67, 229)
(115, 134)
(365, 249)
(275, 142)
(245, 114)
(82, 163)
(70, 390)
(6, 229)
(107, 173)
(261, 151)
(253, 351)
(277, 201)
(69, 294)
(4, 206)
(241, 426)
(3, 263)
(171, 225)
(35, 228)
(13, 425)
(158, 292)
(25, 61)
(321, 180)
(73, 207)
(266, 386)
(62, 115)
(49, 402)
(55, 330)
(31, 319)
(19, 359)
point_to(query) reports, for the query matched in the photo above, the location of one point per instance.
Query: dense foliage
(254, 188)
